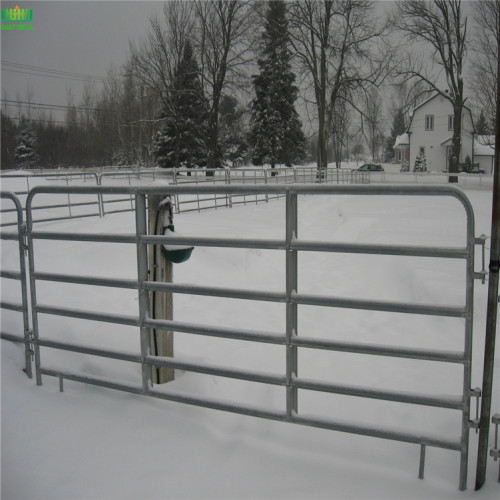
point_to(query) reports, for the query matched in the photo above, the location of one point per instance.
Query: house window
(429, 122)
(421, 151)
(451, 122)
(399, 155)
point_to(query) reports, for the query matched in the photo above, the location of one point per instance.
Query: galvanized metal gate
(290, 339)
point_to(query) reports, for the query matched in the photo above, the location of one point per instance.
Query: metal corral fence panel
(290, 339)
(20, 276)
(253, 176)
(65, 207)
(57, 208)
(436, 178)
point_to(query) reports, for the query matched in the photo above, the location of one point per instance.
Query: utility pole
(491, 318)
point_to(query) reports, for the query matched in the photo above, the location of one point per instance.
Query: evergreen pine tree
(182, 139)
(25, 154)
(276, 131)
(420, 164)
(482, 127)
(398, 128)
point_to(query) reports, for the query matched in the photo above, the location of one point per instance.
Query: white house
(484, 153)
(430, 132)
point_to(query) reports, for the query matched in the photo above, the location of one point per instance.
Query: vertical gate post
(161, 303)
(291, 308)
(142, 272)
(22, 248)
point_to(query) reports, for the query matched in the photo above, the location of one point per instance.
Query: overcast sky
(76, 36)
(82, 37)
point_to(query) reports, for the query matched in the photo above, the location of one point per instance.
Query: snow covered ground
(89, 442)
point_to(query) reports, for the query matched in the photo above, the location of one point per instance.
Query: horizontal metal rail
(455, 403)
(380, 350)
(12, 275)
(230, 293)
(92, 316)
(11, 306)
(228, 333)
(377, 432)
(93, 351)
(87, 379)
(12, 338)
(376, 305)
(9, 236)
(86, 280)
(410, 251)
(233, 293)
(207, 369)
(215, 404)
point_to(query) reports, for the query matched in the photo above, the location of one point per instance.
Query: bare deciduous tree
(486, 41)
(405, 96)
(442, 28)
(339, 127)
(224, 42)
(158, 54)
(337, 43)
(372, 117)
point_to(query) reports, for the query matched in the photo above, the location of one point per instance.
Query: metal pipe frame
(290, 339)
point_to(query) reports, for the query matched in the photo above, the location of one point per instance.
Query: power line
(36, 105)
(48, 120)
(50, 76)
(50, 72)
(61, 107)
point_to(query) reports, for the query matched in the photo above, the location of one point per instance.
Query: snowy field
(89, 442)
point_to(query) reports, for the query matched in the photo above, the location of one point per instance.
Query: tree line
(224, 83)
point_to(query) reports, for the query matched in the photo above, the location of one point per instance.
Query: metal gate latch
(481, 275)
(474, 423)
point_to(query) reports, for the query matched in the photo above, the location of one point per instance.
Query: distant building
(484, 152)
(402, 148)
(430, 132)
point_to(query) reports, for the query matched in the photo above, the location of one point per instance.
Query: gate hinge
(474, 423)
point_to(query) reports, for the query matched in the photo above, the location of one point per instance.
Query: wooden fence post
(161, 303)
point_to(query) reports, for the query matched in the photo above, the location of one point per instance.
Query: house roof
(412, 114)
(484, 145)
(402, 140)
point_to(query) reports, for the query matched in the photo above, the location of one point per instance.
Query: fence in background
(290, 339)
(64, 207)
